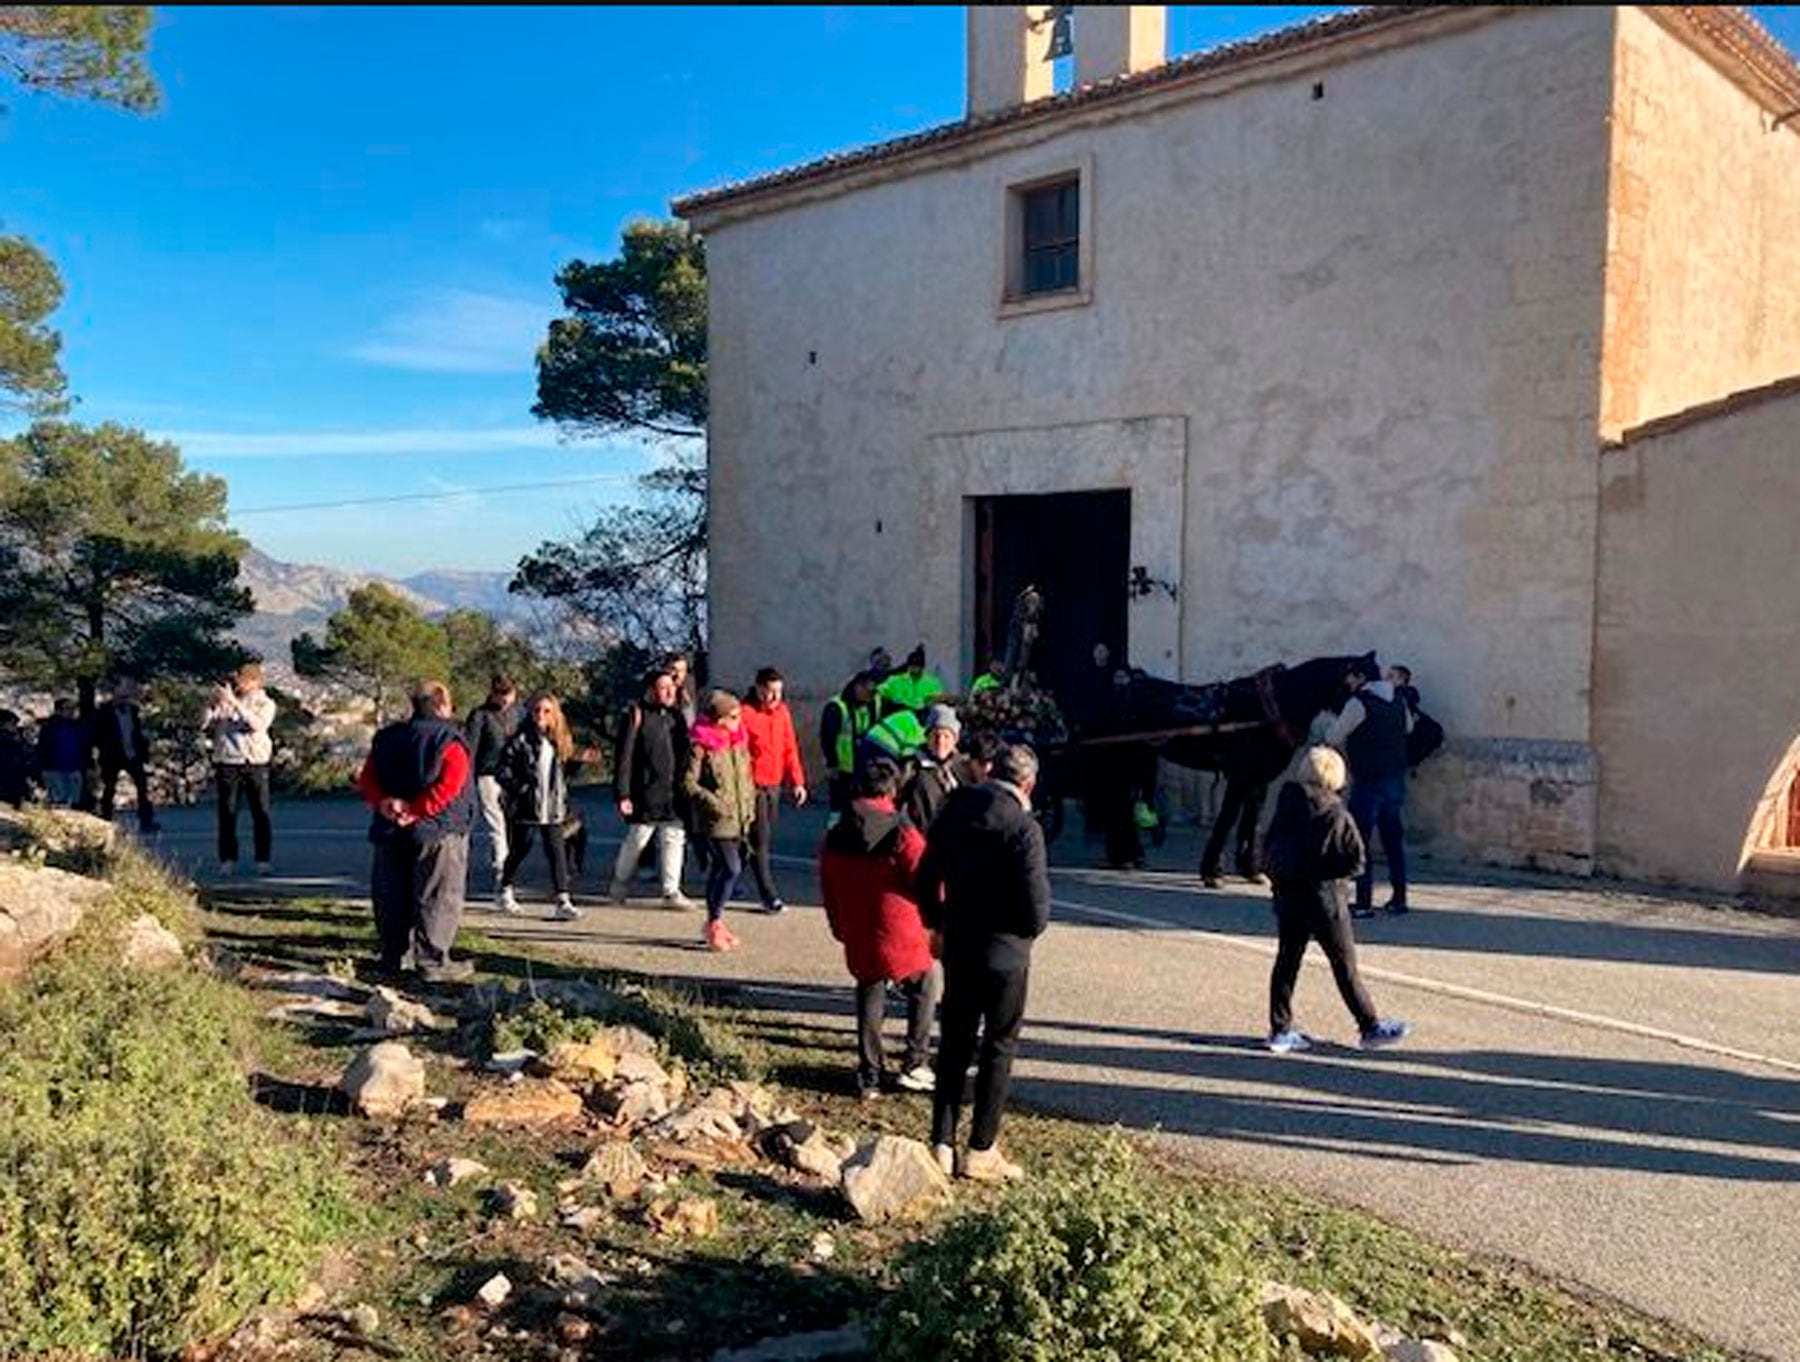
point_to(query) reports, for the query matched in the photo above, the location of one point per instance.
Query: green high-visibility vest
(899, 735)
(853, 724)
(986, 681)
(900, 691)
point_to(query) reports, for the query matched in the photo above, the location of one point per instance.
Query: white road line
(1439, 986)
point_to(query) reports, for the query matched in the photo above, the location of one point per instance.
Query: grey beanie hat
(942, 716)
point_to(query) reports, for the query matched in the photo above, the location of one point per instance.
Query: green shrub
(1095, 1265)
(145, 1200)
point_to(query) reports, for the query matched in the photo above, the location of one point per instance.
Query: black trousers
(253, 783)
(991, 1002)
(762, 842)
(518, 843)
(109, 791)
(418, 893)
(1242, 809)
(1302, 921)
(921, 993)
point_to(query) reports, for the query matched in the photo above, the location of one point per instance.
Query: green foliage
(145, 1199)
(1095, 1266)
(82, 51)
(31, 380)
(631, 355)
(630, 358)
(305, 761)
(377, 645)
(711, 1050)
(114, 559)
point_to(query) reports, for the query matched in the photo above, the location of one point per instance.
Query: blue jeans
(722, 875)
(1377, 805)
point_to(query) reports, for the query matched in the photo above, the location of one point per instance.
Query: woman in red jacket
(867, 872)
(774, 762)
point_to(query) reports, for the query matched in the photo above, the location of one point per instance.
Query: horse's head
(1317, 684)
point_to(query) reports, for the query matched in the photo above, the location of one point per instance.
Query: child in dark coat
(1311, 852)
(868, 871)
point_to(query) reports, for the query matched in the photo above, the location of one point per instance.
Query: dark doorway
(1075, 547)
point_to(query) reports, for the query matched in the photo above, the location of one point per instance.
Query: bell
(1062, 32)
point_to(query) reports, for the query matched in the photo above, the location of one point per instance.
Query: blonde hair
(251, 673)
(558, 730)
(1322, 768)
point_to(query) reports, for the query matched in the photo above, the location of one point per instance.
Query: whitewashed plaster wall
(1377, 315)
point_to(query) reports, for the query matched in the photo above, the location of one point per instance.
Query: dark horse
(1263, 719)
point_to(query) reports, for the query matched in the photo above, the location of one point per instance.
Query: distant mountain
(295, 598)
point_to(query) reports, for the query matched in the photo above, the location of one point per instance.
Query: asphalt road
(1603, 1084)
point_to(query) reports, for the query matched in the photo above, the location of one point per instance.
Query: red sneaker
(718, 937)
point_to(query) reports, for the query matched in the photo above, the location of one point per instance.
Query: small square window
(1051, 238)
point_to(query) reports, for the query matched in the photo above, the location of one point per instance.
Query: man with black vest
(419, 782)
(1371, 733)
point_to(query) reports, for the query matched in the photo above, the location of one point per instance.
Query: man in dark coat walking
(648, 767)
(418, 780)
(123, 748)
(984, 888)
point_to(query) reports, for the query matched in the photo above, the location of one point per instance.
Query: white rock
(362, 1320)
(894, 1178)
(1418, 1350)
(146, 944)
(494, 1291)
(450, 1172)
(384, 1080)
(395, 1014)
(515, 1202)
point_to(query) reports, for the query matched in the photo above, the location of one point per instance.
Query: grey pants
(921, 993)
(493, 818)
(418, 893)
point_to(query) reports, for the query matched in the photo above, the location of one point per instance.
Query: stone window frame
(1014, 301)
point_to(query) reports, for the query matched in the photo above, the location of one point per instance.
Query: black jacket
(985, 879)
(929, 787)
(517, 774)
(1311, 851)
(489, 730)
(109, 744)
(650, 762)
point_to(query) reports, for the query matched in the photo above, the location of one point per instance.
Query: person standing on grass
(490, 726)
(61, 757)
(774, 762)
(124, 749)
(533, 774)
(238, 721)
(648, 768)
(723, 792)
(868, 876)
(418, 782)
(984, 888)
(1311, 851)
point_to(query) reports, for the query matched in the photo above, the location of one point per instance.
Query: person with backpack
(533, 773)
(1311, 851)
(649, 766)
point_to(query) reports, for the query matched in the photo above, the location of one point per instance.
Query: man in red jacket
(774, 762)
(867, 872)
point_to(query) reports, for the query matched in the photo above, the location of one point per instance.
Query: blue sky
(324, 266)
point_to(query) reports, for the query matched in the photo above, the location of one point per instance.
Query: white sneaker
(264, 869)
(565, 910)
(990, 1165)
(920, 1078)
(507, 902)
(1385, 1033)
(946, 1159)
(1290, 1042)
(680, 902)
(227, 869)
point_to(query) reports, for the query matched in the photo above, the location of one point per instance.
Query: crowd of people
(933, 868)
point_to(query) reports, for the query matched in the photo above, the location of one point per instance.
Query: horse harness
(1265, 694)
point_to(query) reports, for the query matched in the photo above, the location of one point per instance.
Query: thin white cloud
(288, 444)
(461, 331)
(502, 229)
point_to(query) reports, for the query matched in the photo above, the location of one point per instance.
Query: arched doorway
(1769, 864)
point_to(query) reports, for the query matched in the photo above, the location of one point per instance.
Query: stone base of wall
(1517, 802)
(1513, 802)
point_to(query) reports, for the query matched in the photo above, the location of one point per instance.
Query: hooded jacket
(718, 781)
(868, 875)
(1311, 850)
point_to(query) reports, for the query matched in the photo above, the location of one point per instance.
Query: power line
(349, 502)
